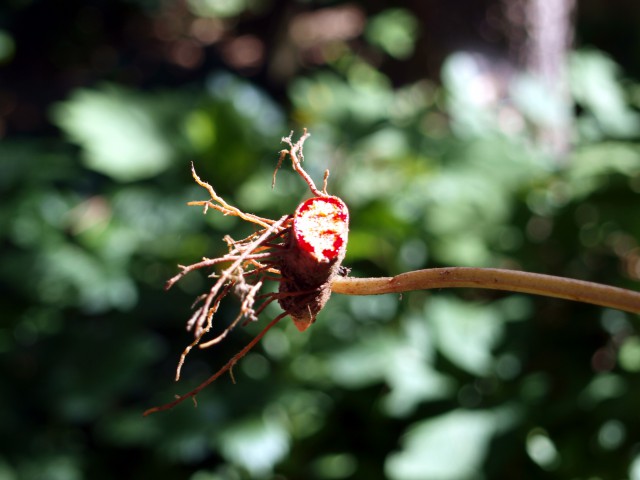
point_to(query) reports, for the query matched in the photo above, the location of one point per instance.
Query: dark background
(450, 146)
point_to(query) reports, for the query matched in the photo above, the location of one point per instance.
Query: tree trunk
(540, 45)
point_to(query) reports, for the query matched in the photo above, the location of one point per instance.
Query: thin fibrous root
(201, 332)
(296, 155)
(221, 205)
(246, 311)
(233, 269)
(230, 278)
(210, 262)
(296, 257)
(225, 368)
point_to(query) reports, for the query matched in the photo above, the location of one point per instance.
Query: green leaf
(403, 361)
(449, 447)
(7, 47)
(257, 444)
(395, 31)
(119, 131)
(466, 333)
(592, 165)
(595, 85)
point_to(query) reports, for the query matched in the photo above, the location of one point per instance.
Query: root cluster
(302, 252)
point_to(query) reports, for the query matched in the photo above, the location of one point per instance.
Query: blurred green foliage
(437, 385)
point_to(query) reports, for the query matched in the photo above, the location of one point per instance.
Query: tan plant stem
(494, 279)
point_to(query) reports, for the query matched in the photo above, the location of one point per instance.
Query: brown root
(226, 368)
(301, 259)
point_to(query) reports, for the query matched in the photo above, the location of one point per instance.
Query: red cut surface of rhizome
(320, 227)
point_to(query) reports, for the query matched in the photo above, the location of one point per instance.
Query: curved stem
(494, 279)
